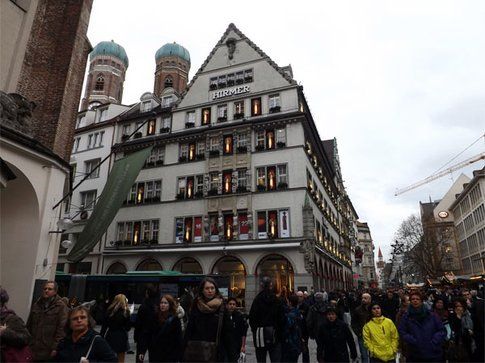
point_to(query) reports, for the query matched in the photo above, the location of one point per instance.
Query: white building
(469, 217)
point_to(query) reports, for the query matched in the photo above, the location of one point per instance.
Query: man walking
(303, 307)
(46, 323)
(267, 320)
(360, 316)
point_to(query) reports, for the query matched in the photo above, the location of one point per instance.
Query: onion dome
(173, 49)
(110, 49)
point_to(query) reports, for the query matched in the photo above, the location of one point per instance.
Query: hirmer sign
(230, 92)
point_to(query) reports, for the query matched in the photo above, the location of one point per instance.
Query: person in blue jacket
(422, 331)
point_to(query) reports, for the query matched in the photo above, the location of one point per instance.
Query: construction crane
(442, 173)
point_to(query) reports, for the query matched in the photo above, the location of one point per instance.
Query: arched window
(149, 265)
(116, 268)
(99, 83)
(279, 269)
(168, 82)
(188, 265)
(233, 268)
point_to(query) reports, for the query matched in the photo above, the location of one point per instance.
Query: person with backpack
(292, 335)
(267, 320)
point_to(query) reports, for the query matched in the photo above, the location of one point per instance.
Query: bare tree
(422, 248)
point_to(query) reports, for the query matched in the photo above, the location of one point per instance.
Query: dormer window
(146, 106)
(103, 114)
(99, 84)
(274, 103)
(167, 101)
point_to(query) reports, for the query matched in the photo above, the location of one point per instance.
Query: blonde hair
(120, 302)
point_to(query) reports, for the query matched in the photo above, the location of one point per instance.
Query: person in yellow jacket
(380, 337)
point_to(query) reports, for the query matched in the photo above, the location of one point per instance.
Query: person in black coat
(267, 315)
(235, 329)
(390, 306)
(162, 337)
(145, 316)
(203, 324)
(116, 326)
(82, 341)
(333, 339)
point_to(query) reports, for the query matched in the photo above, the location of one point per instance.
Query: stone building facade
(366, 247)
(239, 181)
(44, 49)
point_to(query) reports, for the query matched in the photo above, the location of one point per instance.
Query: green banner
(120, 180)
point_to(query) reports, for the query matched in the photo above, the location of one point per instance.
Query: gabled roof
(233, 28)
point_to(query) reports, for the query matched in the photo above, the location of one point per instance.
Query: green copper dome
(173, 49)
(111, 49)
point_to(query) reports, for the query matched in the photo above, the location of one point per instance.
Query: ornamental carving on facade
(16, 112)
(308, 249)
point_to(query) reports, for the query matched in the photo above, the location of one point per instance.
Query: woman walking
(116, 326)
(203, 333)
(461, 333)
(380, 337)
(163, 337)
(422, 331)
(82, 343)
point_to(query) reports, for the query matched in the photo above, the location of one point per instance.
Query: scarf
(418, 314)
(210, 306)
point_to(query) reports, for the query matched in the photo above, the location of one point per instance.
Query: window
(90, 141)
(214, 143)
(242, 180)
(248, 75)
(126, 130)
(221, 113)
(151, 127)
(156, 156)
(99, 83)
(168, 82)
(228, 145)
(89, 166)
(238, 110)
(274, 103)
(80, 121)
(75, 145)
(190, 119)
(146, 106)
(206, 116)
(192, 151)
(214, 227)
(221, 81)
(167, 101)
(135, 232)
(184, 229)
(166, 121)
(145, 192)
(227, 182)
(213, 83)
(103, 114)
(201, 149)
(242, 219)
(213, 182)
(281, 137)
(228, 226)
(189, 187)
(242, 140)
(239, 77)
(272, 177)
(231, 78)
(270, 139)
(256, 107)
(184, 151)
(88, 199)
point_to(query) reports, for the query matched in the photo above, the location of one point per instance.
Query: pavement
(250, 352)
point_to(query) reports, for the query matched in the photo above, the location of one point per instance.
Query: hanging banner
(285, 224)
(179, 230)
(120, 181)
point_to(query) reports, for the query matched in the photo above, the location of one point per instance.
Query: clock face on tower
(443, 214)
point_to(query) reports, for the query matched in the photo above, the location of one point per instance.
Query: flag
(119, 182)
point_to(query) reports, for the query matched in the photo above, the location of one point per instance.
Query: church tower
(108, 63)
(380, 261)
(172, 69)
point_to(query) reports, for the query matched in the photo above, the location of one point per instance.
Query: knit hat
(3, 296)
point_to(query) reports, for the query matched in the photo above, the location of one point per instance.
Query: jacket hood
(378, 320)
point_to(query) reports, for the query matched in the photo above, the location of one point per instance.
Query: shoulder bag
(203, 351)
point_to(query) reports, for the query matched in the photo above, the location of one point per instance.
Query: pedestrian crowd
(437, 325)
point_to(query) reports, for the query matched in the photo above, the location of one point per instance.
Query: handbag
(203, 351)
(12, 354)
(265, 336)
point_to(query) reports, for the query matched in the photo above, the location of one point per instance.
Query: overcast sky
(400, 84)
